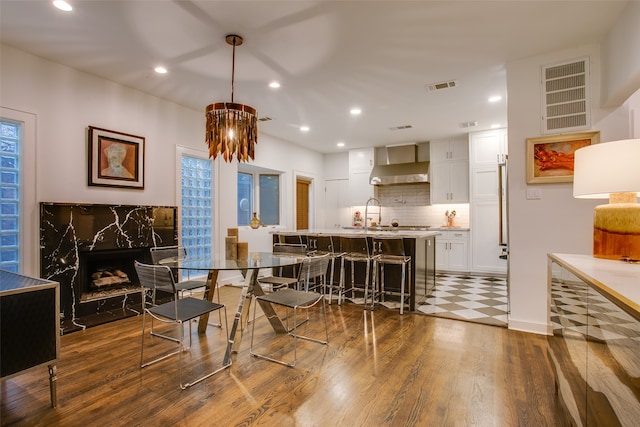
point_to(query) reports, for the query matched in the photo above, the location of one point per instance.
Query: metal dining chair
(278, 279)
(295, 300)
(177, 312)
(176, 253)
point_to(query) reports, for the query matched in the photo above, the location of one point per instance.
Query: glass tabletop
(255, 260)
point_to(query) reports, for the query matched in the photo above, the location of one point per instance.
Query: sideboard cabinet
(594, 313)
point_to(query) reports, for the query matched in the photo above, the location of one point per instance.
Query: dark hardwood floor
(379, 368)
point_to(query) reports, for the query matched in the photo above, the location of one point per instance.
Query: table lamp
(612, 170)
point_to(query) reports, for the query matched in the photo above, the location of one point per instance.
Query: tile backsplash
(410, 205)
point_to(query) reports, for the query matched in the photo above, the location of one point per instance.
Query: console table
(594, 311)
(29, 326)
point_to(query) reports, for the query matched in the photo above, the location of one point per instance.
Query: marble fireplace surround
(75, 238)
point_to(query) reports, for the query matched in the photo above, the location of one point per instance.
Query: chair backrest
(159, 253)
(156, 277)
(392, 246)
(324, 243)
(289, 238)
(289, 249)
(354, 245)
(312, 268)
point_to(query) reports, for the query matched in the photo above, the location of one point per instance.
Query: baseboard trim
(534, 328)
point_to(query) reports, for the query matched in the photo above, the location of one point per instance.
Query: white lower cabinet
(485, 242)
(452, 250)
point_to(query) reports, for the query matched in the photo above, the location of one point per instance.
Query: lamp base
(616, 231)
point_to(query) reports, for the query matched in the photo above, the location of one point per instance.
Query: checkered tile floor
(472, 298)
(605, 321)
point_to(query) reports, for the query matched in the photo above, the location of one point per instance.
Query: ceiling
(329, 56)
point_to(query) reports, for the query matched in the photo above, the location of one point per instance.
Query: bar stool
(355, 249)
(389, 250)
(323, 244)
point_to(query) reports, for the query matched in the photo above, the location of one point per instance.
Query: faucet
(366, 211)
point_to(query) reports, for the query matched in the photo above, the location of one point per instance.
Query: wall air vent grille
(565, 97)
(441, 85)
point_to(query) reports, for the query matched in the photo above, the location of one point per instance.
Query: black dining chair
(176, 312)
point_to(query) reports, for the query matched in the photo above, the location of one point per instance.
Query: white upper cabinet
(487, 148)
(449, 171)
(361, 163)
(361, 159)
(449, 150)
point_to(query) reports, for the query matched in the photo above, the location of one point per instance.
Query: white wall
(65, 102)
(557, 222)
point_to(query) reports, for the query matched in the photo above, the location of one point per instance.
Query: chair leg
(402, 284)
(209, 374)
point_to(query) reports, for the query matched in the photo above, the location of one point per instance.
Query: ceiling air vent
(565, 97)
(468, 124)
(401, 127)
(441, 85)
(265, 119)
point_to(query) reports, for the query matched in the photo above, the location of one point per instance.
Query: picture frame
(550, 158)
(116, 159)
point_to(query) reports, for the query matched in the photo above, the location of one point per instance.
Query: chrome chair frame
(178, 312)
(158, 253)
(324, 244)
(296, 300)
(355, 249)
(277, 281)
(389, 250)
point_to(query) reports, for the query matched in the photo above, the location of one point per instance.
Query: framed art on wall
(550, 158)
(115, 159)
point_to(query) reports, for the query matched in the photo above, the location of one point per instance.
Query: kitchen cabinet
(486, 151)
(487, 148)
(485, 238)
(336, 203)
(361, 163)
(450, 150)
(449, 172)
(452, 250)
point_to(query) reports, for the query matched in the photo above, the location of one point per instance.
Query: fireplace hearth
(90, 250)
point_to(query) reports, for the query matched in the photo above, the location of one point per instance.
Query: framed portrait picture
(115, 159)
(550, 158)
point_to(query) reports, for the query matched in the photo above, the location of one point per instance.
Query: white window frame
(29, 214)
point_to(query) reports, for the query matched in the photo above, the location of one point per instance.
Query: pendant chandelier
(232, 129)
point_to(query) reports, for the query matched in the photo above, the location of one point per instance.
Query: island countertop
(411, 234)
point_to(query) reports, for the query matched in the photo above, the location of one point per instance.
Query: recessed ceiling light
(340, 144)
(62, 5)
(274, 85)
(355, 111)
(495, 126)
(160, 70)
(495, 98)
(304, 128)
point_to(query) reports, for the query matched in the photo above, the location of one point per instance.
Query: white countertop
(360, 231)
(618, 280)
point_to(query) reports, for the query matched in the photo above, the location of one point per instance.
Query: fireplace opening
(108, 273)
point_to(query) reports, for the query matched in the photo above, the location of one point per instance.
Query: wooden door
(302, 204)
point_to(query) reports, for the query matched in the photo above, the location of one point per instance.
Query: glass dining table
(249, 268)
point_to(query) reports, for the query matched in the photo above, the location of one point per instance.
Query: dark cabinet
(29, 326)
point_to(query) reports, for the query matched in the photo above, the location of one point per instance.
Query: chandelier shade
(231, 128)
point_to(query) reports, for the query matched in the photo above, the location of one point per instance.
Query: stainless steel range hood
(401, 167)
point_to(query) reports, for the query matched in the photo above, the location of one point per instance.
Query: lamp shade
(605, 168)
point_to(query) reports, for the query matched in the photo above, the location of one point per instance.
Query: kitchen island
(419, 244)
